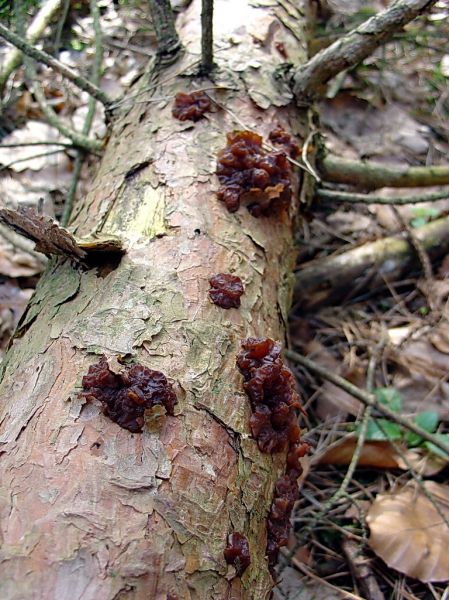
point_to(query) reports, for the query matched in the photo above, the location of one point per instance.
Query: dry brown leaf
(379, 454)
(382, 455)
(408, 533)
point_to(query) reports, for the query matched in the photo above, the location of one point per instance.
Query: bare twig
(35, 30)
(51, 62)
(96, 74)
(168, 44)
(373, 175)
(360, 568)
(329, 279)
(20, 160)
(366, 398)
(207, 36)
(331, 196)
(351, 49)
(422, 255)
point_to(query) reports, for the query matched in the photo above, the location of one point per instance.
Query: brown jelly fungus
(126, 395)
(237, 552)
(270, 387)
(280, 137)
(247, 173)
(226, 290)
(191, 107)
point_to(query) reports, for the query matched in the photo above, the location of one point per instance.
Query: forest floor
(391, 338)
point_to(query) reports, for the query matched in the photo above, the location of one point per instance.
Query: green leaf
(390, 397)
(443, 437)
(427, 420)
(382, 430)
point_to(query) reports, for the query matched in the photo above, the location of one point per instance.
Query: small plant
(386, 430)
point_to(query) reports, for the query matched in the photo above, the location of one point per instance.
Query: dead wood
(88, 509)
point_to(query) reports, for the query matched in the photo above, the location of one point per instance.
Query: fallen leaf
(408, 533)
(381, 455)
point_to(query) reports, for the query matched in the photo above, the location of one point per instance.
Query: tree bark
(87, 509)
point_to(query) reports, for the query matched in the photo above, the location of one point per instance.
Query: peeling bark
(87, 509)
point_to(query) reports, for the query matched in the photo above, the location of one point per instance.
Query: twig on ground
(371, 175)
(20, 160)
(350, 50)
(22, 144)
(366, 415)
(331, 196)
(67, 72)
(96, 75)
(365, 397)
(361, 571)
(35, 30)
(423, 258)
(305, 160)
(168, 44)
(207, 36)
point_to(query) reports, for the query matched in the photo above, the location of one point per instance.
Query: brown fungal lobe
(226, 290)
(191, 107)
(125, 396)
(270, 387)
(282, 138)
(248, 173)
(237, 553)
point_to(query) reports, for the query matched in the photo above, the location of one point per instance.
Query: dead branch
(351, 49)
(370, 175)
(361, 570)
(365, 398)
(67, 72)
(331, 196)
(168, 44)
(207, 36)
(35, 30)
(330, 279)
(96, 75)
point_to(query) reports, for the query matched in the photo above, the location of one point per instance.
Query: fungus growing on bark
(236, 552)
(191, 107)
(280, 47)
(226, 290)
(247, 173)
(270, 387)
(282, 138)
(125, 396)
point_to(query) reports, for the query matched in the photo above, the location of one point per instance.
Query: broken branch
(207, 36)
(350, 50)
(336, 196)
(67, 72)
(168, 44)
(374, 175)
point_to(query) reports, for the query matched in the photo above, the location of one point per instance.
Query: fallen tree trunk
(331, 279)
(88, 509)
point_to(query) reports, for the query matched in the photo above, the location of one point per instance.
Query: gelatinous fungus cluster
(237, 552)
(247, 173)
(191, 107)
(226, 290)
(125, 396)
(283, 138)
(270, 387)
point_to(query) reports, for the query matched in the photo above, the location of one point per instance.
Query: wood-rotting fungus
(247, 173)
(226, 290)
(191, 107)
(237, 553)
(270, 387)
(125, 396)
